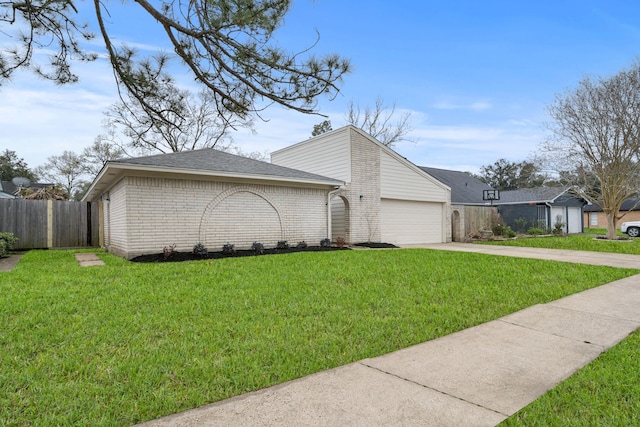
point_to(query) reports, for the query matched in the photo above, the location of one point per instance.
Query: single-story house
(595, 218)
(210, 197)
(543, 207)
(385, 197)
(470, 212)
(340, 184)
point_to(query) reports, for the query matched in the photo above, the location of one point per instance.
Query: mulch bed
(375, 245)
(189, 256)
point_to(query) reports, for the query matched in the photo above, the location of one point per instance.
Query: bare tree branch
(379, 122)
(596, 132)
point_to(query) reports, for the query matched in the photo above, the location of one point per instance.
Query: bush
(325, 243)
(520, 224)
(535, 231)
(340, 242)
(229, 249)
(282, 244)
(258, 248)
(503, 230)
(302, 245)
(200, 249)
(169, 250)
(7, 240)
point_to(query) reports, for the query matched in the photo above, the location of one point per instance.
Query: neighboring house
(9, 190)
(470, 213)
(211, 197)
(386, 198)
(595, 218)
(542, 207)
(5, 194)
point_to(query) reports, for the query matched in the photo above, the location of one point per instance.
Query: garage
(407, 222)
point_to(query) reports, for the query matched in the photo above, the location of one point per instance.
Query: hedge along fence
(51, 223)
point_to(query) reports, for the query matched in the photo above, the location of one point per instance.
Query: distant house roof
(532, 195)
(8, 190)
(465, 189)
(203, 162)
(632, 204)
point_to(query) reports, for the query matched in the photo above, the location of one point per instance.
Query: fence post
(49, 224)
(89, 231)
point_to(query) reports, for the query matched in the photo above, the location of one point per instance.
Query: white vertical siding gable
(328, 155)
(402, 180)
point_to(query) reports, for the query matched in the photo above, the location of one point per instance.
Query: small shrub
(229, 249)
(282, 244)
(520, 224)
(535, 231)
(200, 249)
(503, 230)
(7, 240)
(340, 242)
(558, 229)
(258, 248)
(302, 245)
(169, 250)
(325, 243)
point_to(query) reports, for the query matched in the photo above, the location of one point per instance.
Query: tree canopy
(12, 166)
(227, 45)
(596, 132)
(506, 175)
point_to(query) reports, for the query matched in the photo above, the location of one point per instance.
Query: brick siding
(146, 214)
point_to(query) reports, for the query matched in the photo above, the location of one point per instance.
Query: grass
(125, 343)
(580, 242)
(604, 393)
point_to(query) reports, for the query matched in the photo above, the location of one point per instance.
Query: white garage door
(405, 222)
(574, 220)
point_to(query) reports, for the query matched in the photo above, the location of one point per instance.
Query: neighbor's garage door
(574, 220)
(409, 222)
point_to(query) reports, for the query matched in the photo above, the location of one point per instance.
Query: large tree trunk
(611, 226)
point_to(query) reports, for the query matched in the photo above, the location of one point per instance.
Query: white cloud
(475, 106)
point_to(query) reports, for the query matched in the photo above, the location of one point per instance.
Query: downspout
(330, 194)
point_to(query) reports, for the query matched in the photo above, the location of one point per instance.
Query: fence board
(73, 224)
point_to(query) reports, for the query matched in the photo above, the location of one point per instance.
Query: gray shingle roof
(629, 204)
(208, 159)
(531, 195)
(465, 189)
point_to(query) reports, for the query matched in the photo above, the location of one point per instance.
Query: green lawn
(125, 343)
(580, 242)
(604, 393)
(607, 391)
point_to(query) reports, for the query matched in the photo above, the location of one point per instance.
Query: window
(593, 219)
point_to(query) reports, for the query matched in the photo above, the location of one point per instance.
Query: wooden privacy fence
(51, 223)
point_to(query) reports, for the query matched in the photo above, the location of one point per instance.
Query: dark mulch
(189, 256)
(376, 245)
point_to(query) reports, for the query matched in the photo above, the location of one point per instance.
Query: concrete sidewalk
(476, 377)
(578, 257)
(8, 263)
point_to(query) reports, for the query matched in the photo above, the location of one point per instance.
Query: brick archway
(241, 215)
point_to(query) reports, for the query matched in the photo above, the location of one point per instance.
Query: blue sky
(475, 76)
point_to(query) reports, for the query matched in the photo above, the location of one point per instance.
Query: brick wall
(602, 219)
(147, 214)
(363, 192)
